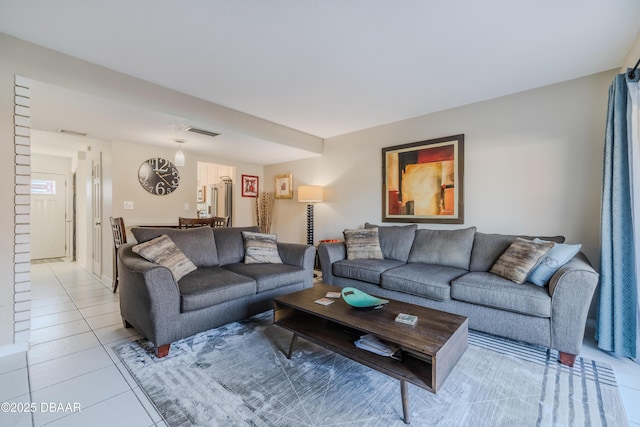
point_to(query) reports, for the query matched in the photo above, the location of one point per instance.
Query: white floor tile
(91, 301)
(63, 368)
(51, 309)
(113, 333)
(54, 319)
(57, 299)
(55, 332)
(103, 320)
(14, 383)
(148, 406)
(97, 310)
(130, 412)
(85, 390)
(87, 291)
(17, 419)
(62, 347)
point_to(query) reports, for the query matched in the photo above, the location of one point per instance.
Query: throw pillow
(519, 259)
(449, 248)
(163, 251)
(559, 255)
(260, 248)
(363, 243)
(395, 240)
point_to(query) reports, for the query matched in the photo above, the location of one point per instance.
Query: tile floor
(75, 322)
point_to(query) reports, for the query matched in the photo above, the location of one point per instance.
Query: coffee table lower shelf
(412, 368)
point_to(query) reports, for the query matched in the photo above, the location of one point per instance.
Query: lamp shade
(310, 193)
(179, 158)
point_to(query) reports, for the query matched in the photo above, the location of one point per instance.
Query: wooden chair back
(119, 233)
(195, 222)
(220, 221)
(119, 239)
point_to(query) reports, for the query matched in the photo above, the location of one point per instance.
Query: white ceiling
(334, 66)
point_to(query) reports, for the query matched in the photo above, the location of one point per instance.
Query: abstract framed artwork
(249, 186)
(284, 186)
(423, 181)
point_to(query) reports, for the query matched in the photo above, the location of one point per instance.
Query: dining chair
(195, 222)
(119, 239)
(220, 221)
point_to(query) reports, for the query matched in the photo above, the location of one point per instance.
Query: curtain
(618, 316)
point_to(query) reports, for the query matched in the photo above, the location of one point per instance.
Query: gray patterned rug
(238, 375)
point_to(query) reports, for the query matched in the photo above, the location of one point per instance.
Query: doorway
(48, 215)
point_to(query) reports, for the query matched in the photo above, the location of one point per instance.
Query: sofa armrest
(571, 288)
(328, 254)
(147, 291)
(297, 254)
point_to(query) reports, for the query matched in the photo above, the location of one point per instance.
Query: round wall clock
(159, 176)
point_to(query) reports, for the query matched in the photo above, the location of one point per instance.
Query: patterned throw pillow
(163, 251)
(558, 256)
(260, 248)
(519, 259)
(363, 243)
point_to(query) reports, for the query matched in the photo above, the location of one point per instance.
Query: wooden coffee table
(430, 348)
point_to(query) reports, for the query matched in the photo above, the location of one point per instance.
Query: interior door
(48, 215)
(96, 203)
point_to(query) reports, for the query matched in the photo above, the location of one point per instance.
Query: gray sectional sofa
(222, 289)
(450, 270)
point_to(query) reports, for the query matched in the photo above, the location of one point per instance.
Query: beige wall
(151, 209)
(533, 165)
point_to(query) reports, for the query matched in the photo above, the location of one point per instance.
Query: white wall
(533, 165)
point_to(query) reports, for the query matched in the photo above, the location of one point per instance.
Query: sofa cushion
(487, 289)
(209, 286)
(487, 248)
(559, 255)
(395, 240)
(362, 244)
(230, 243)
(366, 270)
(164, 252)
(270, 276)
(520, 258)
(449, 248)
(426, 280)
(260, 248)
(196, 243)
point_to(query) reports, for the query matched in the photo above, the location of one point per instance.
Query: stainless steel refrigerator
(222, 198)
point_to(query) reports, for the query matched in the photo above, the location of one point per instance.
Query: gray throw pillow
(163, 251)
(395, 240)
(519, 259)
(362, 244)
(260, 248)
(449, 248)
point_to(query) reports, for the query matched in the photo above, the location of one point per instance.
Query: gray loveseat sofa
(222, 289)
(449, 270)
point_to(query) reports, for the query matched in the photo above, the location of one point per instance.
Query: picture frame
(284, 186)
(250, 186)
(422, 182)
(201, 196)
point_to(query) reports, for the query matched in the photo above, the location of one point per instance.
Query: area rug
(238, 375)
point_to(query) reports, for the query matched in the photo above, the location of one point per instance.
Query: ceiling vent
(201, 131)
(72, 132)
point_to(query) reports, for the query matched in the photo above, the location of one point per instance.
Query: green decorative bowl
(362, 300)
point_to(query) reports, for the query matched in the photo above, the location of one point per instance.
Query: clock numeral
(160, 190)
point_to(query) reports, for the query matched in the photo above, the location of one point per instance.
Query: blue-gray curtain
(617, 317)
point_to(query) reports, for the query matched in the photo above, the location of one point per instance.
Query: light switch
(128, 205)
(186, 206)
